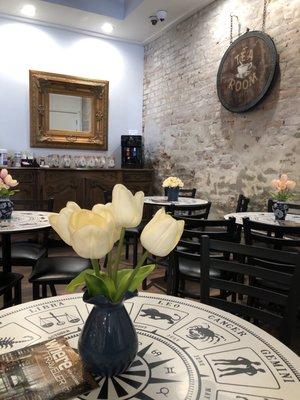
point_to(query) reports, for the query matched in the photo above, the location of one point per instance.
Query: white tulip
(106, 210)
(92, 235)
(127, 208)
(161, 234)
(60, 221)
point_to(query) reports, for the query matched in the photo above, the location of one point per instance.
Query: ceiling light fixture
(28, 10)
(107, 27)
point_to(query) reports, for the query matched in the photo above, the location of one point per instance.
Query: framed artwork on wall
(67, 111)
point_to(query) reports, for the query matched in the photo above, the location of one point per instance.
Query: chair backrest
(217, 229)
(257, 309)
(184, 192)
(200, 211)
(34, 204)
(242, 203)
(294, 208)
(274, 236)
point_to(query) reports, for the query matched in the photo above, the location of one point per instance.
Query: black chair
(27, 252)
(8, 282)
(53, 271)
(242, 204)
(279, 237)
(199, 211)
(294, 208)
(272, 237)
(184, 192)
(282, 317)
(186, 258)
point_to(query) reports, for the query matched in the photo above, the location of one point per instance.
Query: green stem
(109, 264)
(132, 276)
(95, 264)
(118, 257)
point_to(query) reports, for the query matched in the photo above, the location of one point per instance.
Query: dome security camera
(161, 15)
(153, 19)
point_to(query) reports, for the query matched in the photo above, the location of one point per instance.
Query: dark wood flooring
(156, 284)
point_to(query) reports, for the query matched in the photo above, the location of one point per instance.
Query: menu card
(51, 370)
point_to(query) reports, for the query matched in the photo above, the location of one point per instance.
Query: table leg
(6, 261)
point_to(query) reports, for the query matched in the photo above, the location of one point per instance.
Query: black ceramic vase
(173, 193)
(280, 210)
(6, 208)
(108, 342)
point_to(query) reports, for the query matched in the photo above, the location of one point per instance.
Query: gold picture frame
(42, 85)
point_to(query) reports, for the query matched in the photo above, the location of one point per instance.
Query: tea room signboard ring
(246, 72)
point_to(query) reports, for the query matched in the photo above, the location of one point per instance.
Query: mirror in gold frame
(68, 112)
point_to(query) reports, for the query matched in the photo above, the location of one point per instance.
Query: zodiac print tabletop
(25, 221)
(187, 350)
(266, 218)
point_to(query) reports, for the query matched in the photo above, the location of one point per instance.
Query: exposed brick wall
(187, 131)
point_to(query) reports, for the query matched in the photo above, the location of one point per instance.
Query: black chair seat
(192, 269)
(8, 280)
(54, 270)
(26, 251)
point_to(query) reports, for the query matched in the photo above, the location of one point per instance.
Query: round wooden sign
(246, 71)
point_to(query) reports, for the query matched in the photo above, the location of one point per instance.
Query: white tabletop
(182, 201)
(266, 218)
(22, 221)
(187, 350)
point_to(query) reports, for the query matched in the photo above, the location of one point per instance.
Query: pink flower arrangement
(7, 183)
(284, 188)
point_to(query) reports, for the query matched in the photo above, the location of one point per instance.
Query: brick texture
(187, 131)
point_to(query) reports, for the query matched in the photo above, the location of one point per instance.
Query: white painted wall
(24, 46)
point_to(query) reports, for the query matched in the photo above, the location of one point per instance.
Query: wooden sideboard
(85, 186)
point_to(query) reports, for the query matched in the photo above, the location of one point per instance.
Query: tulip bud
(3, 173)
(291, 185)
(92, 235)
(127, 208)
(9, 181)
(60, 222)
(161, 234)
(106, 210)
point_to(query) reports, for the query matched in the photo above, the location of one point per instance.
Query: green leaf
(102, 284)
(124, 276)
(79, 280)
(141, 274)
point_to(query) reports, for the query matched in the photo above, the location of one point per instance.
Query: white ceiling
(130, 19)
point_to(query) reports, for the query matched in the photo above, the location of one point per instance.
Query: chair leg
(52, 289)
(144, 284)
(35, 291)
(18, 293)
(135, 251)
(44, 290)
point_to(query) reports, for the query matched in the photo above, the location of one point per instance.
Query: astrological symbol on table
(204, 333)
(9, 342)
(169, 370)
(47, 322)
(164, 390)
(235, 366)
(152, 313)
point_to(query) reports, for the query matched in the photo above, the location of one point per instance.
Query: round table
(21, 221)
(182, 201)
(266, 218)
(187, 350)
